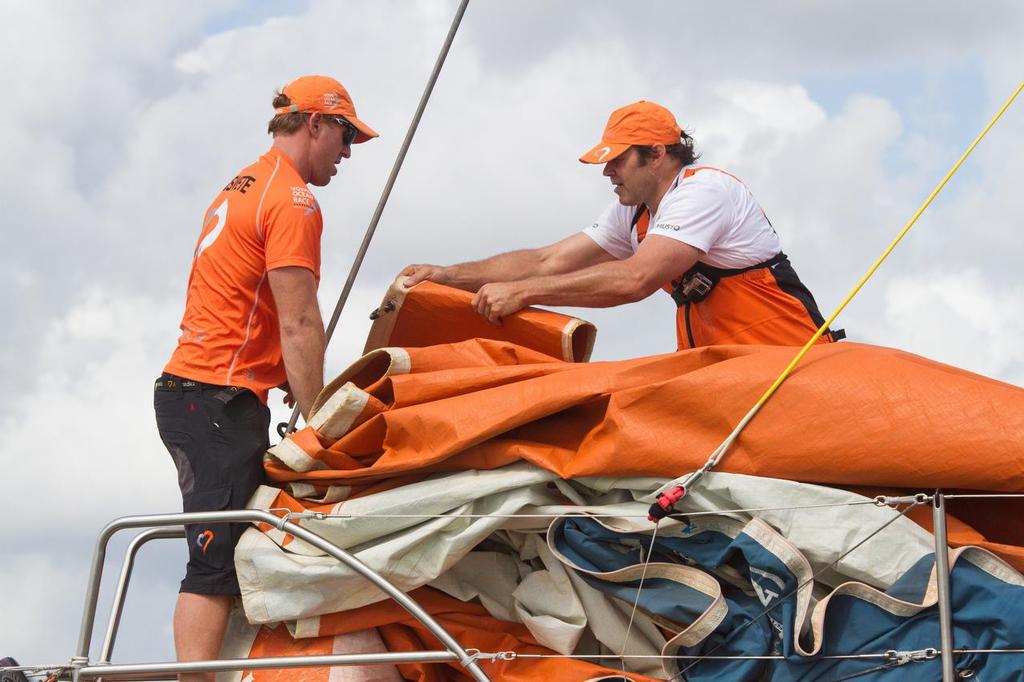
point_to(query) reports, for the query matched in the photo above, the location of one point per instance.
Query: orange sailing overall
(765, 303)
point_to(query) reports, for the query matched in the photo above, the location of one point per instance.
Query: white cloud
(86, 425)
(45, 594)
(956, 316)
(42, 605)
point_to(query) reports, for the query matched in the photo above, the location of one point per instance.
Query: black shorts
(217, 436)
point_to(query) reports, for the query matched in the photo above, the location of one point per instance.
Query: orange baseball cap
(323, 94)
(643, 123)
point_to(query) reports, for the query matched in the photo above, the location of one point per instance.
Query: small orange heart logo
(204, 540)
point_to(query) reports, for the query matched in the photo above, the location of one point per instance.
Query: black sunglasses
(350, 130)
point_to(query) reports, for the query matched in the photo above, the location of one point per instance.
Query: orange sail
(863, 418)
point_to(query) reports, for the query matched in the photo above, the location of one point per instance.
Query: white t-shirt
(710, 210)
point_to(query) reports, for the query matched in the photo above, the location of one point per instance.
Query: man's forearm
(599, 286)
(302, 348)
(505, 267)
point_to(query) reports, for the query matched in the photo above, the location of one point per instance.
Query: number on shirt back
(217, 221)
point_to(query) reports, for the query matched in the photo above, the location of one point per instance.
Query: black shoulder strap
(636, 216)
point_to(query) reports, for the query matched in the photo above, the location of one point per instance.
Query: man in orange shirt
(251, 323)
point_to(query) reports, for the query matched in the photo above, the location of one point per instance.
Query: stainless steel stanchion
(942, 582)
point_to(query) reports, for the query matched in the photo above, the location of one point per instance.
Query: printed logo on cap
(603, 152)
(331, 99)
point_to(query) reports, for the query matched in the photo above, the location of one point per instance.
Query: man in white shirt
(708, 244)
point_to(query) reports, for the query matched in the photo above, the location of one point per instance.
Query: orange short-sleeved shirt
(265, 218)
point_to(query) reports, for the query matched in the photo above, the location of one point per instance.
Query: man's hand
(288, 399)
(421, 272)
(499, 299)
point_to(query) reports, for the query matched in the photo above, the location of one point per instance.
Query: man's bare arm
(302, 333)
(656, 262)
(572, 253)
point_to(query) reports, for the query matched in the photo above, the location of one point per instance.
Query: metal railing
(170, 526)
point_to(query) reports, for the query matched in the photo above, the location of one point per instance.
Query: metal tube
(117, 608)
(453, 29)
(942, 582)
(92, 593)
(253, 516)
(110, 671)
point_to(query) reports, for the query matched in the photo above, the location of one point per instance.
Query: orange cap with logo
(324, 95)
(643, 123)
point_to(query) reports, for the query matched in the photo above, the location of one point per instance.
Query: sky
(122, 120)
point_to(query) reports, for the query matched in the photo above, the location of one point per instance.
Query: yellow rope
(720, 450)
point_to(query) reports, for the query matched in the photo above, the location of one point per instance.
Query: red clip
(665, 503)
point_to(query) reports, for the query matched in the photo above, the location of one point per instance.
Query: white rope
(736, 657)
(289, 515)
(640, 586)
(891, 654)
(980, 495)
(493, 657)
(988, 651)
